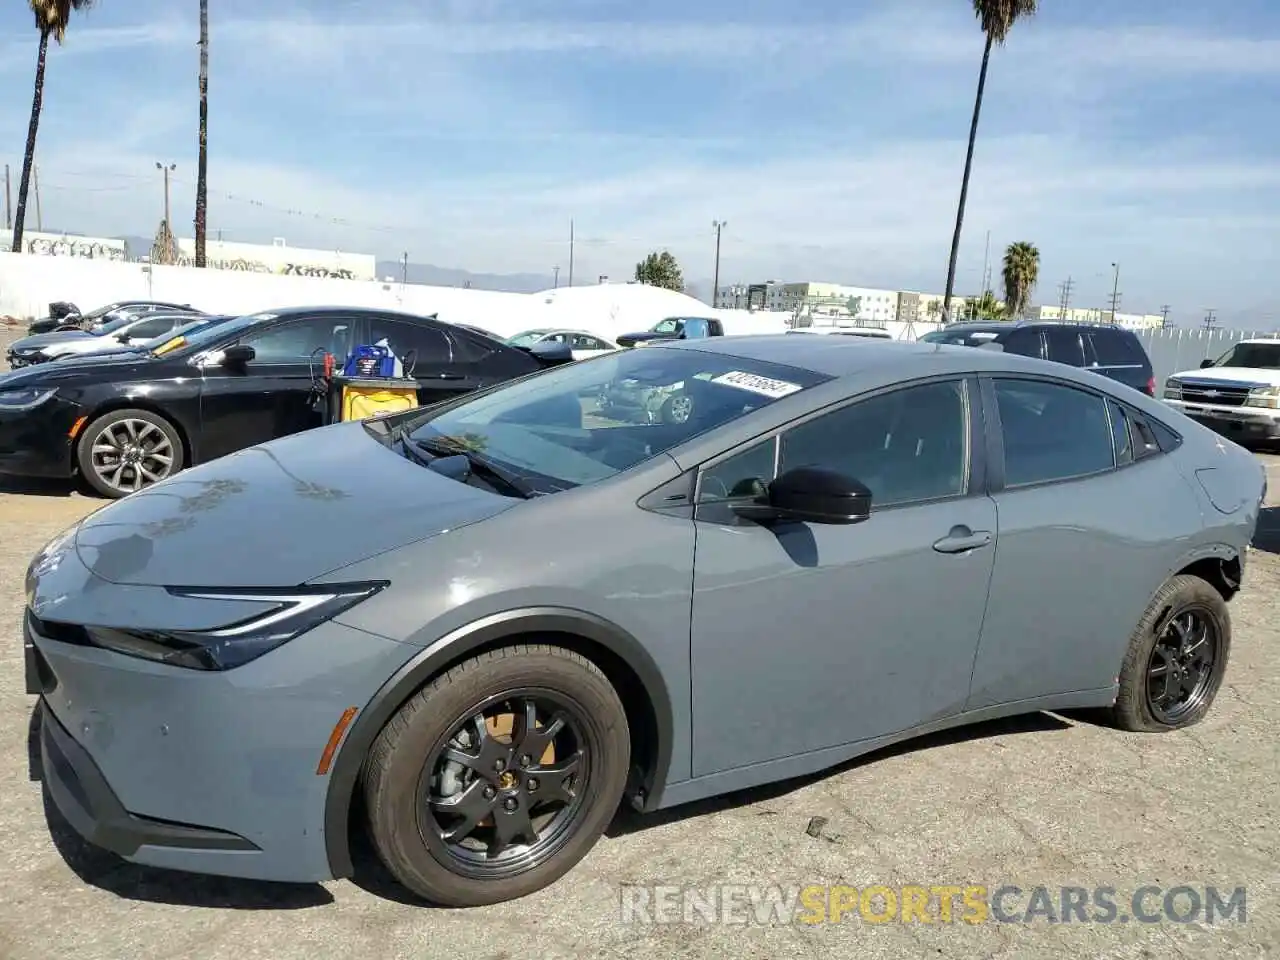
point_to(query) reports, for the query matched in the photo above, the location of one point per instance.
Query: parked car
(490, 621)
(873, 333)
(30, 349)
(1237, 394)
(1112, 351)
(674, 328)
(580, 343)
(62, 319)
(126, 422)
(140, 347)
(137, 331)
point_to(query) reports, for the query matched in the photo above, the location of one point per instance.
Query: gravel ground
(1042, 800)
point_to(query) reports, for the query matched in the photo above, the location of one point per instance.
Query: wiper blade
(494, 475)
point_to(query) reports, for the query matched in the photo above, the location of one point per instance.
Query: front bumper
(202, 772)
(1242, 424)
(37, 443)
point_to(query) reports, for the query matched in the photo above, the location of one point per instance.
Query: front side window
(1052, 432)
(300, 340)
(587, 421)
(151, 328)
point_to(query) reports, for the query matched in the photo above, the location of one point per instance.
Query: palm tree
(52, 17)
(203, 166)
(988, 307)
(997, 18)
(1021, 272)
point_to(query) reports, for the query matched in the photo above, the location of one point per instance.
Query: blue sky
(830, 135)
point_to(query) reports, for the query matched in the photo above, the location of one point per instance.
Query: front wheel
(677, 408)
(1176, 659)
(125, 451)
(496, 778)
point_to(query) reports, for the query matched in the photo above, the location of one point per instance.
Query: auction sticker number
(765, 386)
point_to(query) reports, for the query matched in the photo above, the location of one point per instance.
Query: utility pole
(555, 283)
(1115, 292)
(986, 269)
(35, 183)
(1065, 302)
(717, 225)
(1210, 319)
(1164, 316)
(8, 202)
(571, 253)
(404, 268)
(160, 166)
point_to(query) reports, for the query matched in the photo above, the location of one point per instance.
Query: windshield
(115, 323)
(964, 338)
(526, 339)
(669, 325)
(1258, 355)
(589, 420)
(100, 312)
(204, 338)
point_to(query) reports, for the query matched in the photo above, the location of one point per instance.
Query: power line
(1210, 319)
(1065, 300)
(1164, 316)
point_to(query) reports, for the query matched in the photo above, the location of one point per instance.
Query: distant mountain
(434, 276)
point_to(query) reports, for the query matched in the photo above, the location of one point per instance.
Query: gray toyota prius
(472, 630)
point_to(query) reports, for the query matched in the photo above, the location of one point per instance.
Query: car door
(808, 636)
(427, 351)
(1083, 543)
(270, 396)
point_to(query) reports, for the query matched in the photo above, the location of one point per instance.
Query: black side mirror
(238, 355)
(809, 495)
(1205, 363)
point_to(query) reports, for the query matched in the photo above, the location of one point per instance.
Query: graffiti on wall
(243, 265)
(90, 248)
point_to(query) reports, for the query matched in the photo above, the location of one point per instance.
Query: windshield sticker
(765, 386)
(169, 345)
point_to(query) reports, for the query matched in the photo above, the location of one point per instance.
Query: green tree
(52, 17)
(854, 306)
(1021, 273)
(202, 170)
(987, 307)
(997, 18)
(660, 270)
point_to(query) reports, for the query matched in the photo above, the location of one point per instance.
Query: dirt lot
(1042, 800)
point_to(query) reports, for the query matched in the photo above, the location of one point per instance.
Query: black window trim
(995, 430)
(976, 445)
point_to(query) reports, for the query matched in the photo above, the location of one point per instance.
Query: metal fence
(1174, 350)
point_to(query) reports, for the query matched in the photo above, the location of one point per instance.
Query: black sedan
(126, 422)
(58, 320)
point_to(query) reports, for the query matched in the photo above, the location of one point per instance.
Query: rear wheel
(1176, 659)
(125, 451)
(678, 408)
(498, 776)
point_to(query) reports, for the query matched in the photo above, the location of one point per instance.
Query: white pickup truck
(1238, 394)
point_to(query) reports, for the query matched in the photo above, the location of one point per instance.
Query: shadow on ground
(31, 487)
(1267, 536)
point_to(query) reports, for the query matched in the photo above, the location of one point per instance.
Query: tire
(1181, 597)
(158, 441)
(677, 408)
(401, 777)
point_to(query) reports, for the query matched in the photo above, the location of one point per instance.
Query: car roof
(1001, 326)
(847, 356)
(353, 312)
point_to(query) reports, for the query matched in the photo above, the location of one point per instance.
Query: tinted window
(904, 446)
(428, 344)
(1114, 349)
(1257, 355)
(1025, 343)
(739, 475)
(1120, 433)
(1064, 346)
(299, 340)
(151, 328)
(583, 342)
(1052, 432)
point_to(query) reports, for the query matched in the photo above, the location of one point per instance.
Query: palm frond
(998, 16)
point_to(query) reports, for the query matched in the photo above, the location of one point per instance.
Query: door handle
(962, 540)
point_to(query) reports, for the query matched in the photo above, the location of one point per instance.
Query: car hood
(45, 339)
(72, 368)
(278, 515)
(1259, 375)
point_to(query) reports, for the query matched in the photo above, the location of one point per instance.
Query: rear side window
(1064, 346)
(1136, 436)
(1052, 432)
(1025, 343)
(1114, 349)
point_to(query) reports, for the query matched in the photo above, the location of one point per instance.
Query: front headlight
(25, 398)
(1264, 397)
(293, 612)
(1173, 389)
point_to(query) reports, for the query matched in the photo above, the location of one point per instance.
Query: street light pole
(718, 225)
(166, 170)
(1115, 292)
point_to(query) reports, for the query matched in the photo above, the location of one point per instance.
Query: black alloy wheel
(499, 795)
(1181, 667)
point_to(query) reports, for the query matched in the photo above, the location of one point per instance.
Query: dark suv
(1111, 351)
